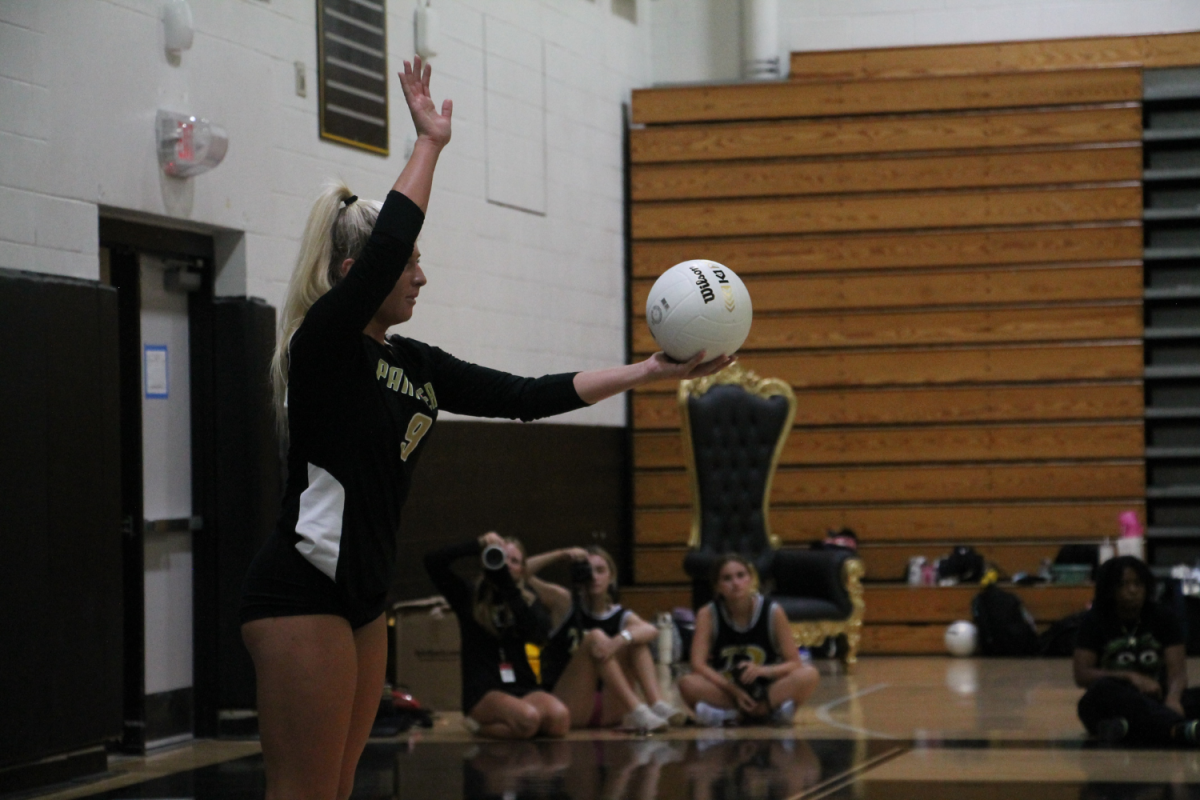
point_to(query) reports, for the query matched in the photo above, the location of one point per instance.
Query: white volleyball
(699, 305)
(961, 638)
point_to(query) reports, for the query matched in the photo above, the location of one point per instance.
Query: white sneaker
(784, 714)
(643, 719)
(712, 717)
(674, 716)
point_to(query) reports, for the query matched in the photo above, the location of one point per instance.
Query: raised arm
(557, 598)
(433, 133)
(535, 564)
(451, 586)
(351, 304)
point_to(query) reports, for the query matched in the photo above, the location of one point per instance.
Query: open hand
(664, 368)
(430, 125)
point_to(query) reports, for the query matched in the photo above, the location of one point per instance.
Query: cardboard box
(427, 653)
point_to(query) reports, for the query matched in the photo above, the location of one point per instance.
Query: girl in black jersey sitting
(745, 665)
(355, 405)
(497, 617)
(599, 653)
(1130, 657)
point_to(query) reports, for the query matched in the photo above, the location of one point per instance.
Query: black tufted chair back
(735, 424)
(734, 438)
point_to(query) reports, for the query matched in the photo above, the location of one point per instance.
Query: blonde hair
(334, 232)
(489, 606)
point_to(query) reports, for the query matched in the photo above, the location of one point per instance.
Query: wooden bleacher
(943, 246)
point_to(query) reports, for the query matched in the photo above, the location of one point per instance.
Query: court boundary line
(823, 713)
(850, 776)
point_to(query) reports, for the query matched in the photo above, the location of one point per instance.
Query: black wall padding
(549, 485)
(60, 517)
(248, 478)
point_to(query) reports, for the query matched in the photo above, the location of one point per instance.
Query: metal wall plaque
(353, 70)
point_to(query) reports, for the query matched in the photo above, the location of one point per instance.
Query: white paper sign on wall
(157, 384)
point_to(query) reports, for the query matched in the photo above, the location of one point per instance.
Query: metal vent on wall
(1171, 219)
(352, 69)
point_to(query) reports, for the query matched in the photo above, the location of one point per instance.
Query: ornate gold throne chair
(735, 426)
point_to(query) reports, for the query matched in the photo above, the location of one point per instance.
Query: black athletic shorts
(282, 583)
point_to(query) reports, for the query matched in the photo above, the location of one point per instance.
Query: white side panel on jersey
(320, 521)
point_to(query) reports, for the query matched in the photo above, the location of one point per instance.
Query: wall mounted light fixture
(188, 145)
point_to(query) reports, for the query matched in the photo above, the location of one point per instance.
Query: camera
(581, 573)
(494, 558)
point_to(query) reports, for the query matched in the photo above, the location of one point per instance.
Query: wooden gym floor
(925, 728)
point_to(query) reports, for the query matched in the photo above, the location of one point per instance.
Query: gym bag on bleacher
(1005, 627)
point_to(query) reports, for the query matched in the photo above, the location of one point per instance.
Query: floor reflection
(712, 768)
(643, 770)
(998, 790)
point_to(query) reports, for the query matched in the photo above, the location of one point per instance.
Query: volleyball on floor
(961, 638)
(699, 305)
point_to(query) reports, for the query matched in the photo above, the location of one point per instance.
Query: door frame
(126, 240)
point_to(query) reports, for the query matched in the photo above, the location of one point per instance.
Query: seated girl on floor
(598, 656)
(1130, 657)
(745, 665)
(498, 614)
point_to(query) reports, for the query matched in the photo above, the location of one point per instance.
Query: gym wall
(528, 290)
(944, 249)
(699, 40)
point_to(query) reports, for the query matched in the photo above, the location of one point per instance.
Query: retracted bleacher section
(943, 246)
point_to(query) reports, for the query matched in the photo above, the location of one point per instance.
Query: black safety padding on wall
(550, 485)
(248, 477)
(60, 528)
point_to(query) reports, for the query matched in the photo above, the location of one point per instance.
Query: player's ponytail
(338, 228)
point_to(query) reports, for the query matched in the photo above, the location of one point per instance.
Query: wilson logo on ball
(683, 319)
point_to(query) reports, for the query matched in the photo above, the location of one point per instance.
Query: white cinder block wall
(697, 40)
(81, 80)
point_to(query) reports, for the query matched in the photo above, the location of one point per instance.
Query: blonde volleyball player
(357, 404)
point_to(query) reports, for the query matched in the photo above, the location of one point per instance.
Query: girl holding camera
(745, 665)
(599, 653)
(497, 616)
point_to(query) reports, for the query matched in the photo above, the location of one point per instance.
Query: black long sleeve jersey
(358, 411)
(481, 654)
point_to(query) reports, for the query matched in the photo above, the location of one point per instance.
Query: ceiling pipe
(760, 40)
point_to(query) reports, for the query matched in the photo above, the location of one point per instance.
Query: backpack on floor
(1059, 639)
(1005, 627)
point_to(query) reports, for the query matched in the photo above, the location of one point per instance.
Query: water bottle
(665, 644)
